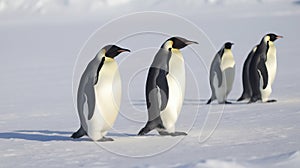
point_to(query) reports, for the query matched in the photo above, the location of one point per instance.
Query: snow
(46, 44)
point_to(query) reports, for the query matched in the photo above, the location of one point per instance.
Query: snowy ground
(39, 46)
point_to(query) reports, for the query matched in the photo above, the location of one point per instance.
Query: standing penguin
(221, 76)
(165, 88)
(99, 95)
(263, 68)
(247, 92)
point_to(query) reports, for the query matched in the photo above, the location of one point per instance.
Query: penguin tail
(142, 132)
(150, 126)
(245, 95)
(253, 100)
(209, 101)
(241, 98)
(80, 133)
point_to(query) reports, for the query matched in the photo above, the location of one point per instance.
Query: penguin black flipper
(90, 92)
(264, 73)
(91, 100)
(219, 75)
(162, 83)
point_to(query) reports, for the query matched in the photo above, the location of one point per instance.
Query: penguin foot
(80, 133)
(271, 101)
(179, 134)
(227, 102)
(164, 133)
(143, 131)
(105, 139)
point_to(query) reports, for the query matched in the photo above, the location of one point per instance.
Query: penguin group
(259, 71)
(99, 91)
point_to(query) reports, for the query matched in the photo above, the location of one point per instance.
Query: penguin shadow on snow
(40, 135)
(231, 102)
(186, 102)
(246, 102)
(119, 135)
(194, 102)
(47, 135)
(203, 102)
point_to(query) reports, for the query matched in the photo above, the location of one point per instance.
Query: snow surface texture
(40, 41)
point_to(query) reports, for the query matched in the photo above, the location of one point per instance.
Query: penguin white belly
(271, 65)
(108, 99)
(176, 84)
(228, 72)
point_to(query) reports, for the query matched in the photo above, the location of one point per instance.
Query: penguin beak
(191, 42)
(123, 50)
(278, 37)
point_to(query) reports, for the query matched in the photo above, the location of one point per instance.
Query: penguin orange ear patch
(169, 44)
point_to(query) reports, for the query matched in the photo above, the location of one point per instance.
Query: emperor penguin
(247, 92)
(221, 75)
(263, 69)
(165, 87)
(99, 95)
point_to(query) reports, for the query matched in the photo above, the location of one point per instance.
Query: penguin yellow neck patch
(168, 44)
(176, 51)
(109, 59)
(267, 38)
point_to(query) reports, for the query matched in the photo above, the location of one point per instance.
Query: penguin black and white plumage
(165, 88)
(263, 69)
(99, 94)
(247, 91)
(221, 75)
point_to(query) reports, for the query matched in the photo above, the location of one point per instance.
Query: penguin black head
(177, 43)
(112, 50)
(273, 37)
(228, 45)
